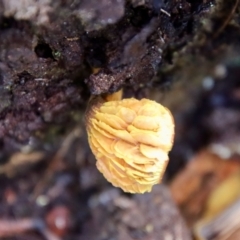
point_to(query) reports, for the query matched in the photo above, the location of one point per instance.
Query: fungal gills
(130, 139)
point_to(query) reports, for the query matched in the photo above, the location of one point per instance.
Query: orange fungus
(130, 139)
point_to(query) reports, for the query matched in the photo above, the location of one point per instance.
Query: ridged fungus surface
(130, 139)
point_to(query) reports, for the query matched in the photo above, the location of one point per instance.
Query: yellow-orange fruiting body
(130, 139)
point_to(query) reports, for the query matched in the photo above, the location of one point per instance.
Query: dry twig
(10, 228)
(227, 20)
(57, 160)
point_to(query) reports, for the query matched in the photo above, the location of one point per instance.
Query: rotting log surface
(184, 54)
(52, 58)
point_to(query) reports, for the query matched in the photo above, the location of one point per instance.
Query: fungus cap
(130, 139)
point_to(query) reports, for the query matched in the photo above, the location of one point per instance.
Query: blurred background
(54, 55)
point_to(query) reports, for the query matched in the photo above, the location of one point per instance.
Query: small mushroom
(130, 139)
